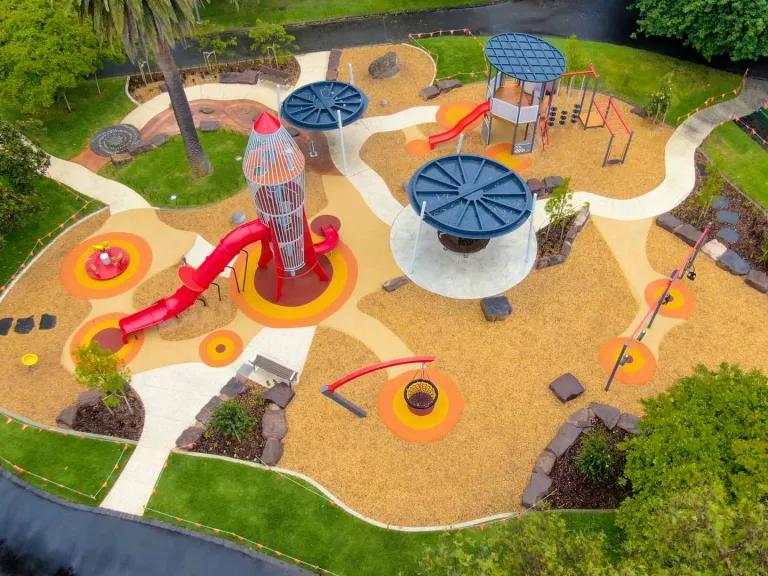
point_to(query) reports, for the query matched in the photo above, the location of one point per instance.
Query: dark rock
(609, 415)
(280, 394)
(721, 202)
(550, 261)
(159, 139)
(448, 85)
(687, 234)
(728, 234)
(757, 280)
(47, 322)
(333, 65)
(725, 217)
(247, 77)
(544, 462)
(395, 283)
(190, 436)
(239, 217)
(384, 67)
(139, 148)
(206, 110)
(244, 372)
(566, 387)
(581, 418)
(274, 425)
(552, 182)
(496, 308)
(209, 125)
(537, 489)
(637, 111)
(565, 439)
(25, 325)
(5, 326)
(536, 186)
(233, 388)
(92, 396)
(205, 414)
(429, 93)
(66, 418)
(668, 222)
(566, 249)
(273, 451)
(733, 263)
(121, 158)
(628, 422)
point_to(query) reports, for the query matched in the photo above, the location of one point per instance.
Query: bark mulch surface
(574, 490)
(551, 238)
(250, 446)
(752, 226)
(96, 418)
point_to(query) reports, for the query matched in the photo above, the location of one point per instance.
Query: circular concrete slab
(493, 270)
(114, 139)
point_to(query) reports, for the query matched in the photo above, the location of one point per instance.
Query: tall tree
(44, 52)
(153, 25)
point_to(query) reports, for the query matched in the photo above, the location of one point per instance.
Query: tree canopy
(736, 28)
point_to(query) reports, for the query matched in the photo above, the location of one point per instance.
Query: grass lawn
(164, 172)
(221, 15)
(273, 511)
(626, 72)
(64, 134)
(57, 206)
(80, 464)
(741, 159)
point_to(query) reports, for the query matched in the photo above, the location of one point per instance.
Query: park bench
(273, 75)
(270, 366)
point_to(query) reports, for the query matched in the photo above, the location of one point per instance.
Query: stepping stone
(395, 283)
(496, 308)
(757, 280)
(714, 249)
(122, 158)
(159, 139)
(544, 462)
(566, 387)
(537, 489)
(728, 234)
(239, 217)
(273, 451)
(582, 418)
(721, 202)
(280, 394)
(47, 322)
(688, 234)
(429, 93)
(701, 168)
(140, 148)
(209, 125)
(66, 418)
(668, 222)
(725, 217)
(628, 423)
(233, 388)
(274, 424)
(733, 263)
(25, 325)
(190, 436)
(448, 85)
(5, 326)
(565, 439)
(206, 110)
(609, 415)
(204, 416)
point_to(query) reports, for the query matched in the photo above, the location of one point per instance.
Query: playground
(376, 235)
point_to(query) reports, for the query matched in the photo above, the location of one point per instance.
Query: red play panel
(118, 262)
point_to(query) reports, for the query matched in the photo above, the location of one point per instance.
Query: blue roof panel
(316, 106)
(525, 57)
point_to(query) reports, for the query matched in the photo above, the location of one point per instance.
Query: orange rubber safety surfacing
(418, 148)
(106, 331)
(448, 115)
(639, 370)
(221, 348)
(503, 153)
(77, 282)
(682, 305)
(394, 412)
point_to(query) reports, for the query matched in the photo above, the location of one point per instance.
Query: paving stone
(92, 396)
(628, 422)
(701, 168)
(721, 202)
(121, 158)
(233, 388)
(140, 148)
(5, 326)
(190, 436)
(244, 372)
(429, 93)
(668, 222)
(757, 280)
(566, 387)
(550, 261)
(581, 218)
(537, 489)
(47, 322)
(280, 394)
(25, 325)
(205, 414)
(565, 438)
(395, 283)
(496, 308)
(206, 110)
(209, 125)
(728, 234)
(609, 415)
(725, 217)
(385, 66)
(66, 418)
(688, 234)
(552, 182)
(239, 217)
(536, 186)
(273, 451)
(159, 139)
(544, 462)
(448, 85)
(714, 249)
(333, 65)
(566, 249)
(733, 263)
(273, 424)
(581, 418)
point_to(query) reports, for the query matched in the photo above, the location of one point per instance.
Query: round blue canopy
(470, 196)
(525, 57)
(316, 106)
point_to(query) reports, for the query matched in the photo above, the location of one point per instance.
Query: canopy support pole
(418, 236)
(341, 137)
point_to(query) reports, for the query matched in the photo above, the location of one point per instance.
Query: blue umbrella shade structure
(525, 57)
(316, 106)
(470, 196)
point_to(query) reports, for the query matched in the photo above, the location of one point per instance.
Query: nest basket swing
(420, 393)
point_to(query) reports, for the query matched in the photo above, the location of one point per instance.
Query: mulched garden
(552, 237)
(121, 422)
(251, 445)
(574, 490)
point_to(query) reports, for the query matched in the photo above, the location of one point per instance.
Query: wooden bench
(270, 366)
(274, 75)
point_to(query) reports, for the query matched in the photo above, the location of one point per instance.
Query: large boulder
(757, 280)
(205, 414)
(687, 234)
(733, 263)
(66, 418)
(537, 489)
(628, 422)
(545, 462)
(384, 67)
(566, 387)
(448, 85)
(273, 423)
(190, 436)
(234, 387)
(581, 418)
(536, 186)
(668, 222)
(92, 396)
(609, 415)
(280, 394)
(565, 439)
(552, 182)
(496, 308)
(429, 93)
(273, 451)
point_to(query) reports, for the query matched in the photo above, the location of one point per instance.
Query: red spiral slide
(461, 125)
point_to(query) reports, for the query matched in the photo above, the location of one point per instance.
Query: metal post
(532, 229)
(608, 108)
(672, 278)
(418, 235)
(619, 362)
(592, 102)
(339, 399)
(351, 75)
(517, 121)
(608, 152)
(341, 137)
(626, 150)
(461, 143)
(690, 262)
(197, 13)
(538, 115)
(279, 103)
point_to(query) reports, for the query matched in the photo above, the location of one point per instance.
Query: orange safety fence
(715, 99)
(48, 481)
(754, 133)
(460, 31)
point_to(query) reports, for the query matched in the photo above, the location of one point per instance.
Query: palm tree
(153, 25)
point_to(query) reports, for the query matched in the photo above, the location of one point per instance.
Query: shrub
(99, 368)
(231, 419)
(660, 101)
(272, 37)
(595, 459)
(559, 207)
(709, 190)
(214, 42)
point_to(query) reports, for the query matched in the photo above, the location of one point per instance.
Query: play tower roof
(525, 57)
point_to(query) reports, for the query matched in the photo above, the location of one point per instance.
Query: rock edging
(578, 225)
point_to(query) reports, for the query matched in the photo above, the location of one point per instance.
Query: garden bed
(121, 422)
(552, 237)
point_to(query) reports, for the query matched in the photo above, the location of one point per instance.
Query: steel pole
(351, 75)
(418, 236)
(341, 137)
(279, 103)
(461, 143)
(619, 361)
(531, 230)
(197, 13)
(672, 278)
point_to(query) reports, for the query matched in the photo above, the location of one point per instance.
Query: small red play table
(118, 262)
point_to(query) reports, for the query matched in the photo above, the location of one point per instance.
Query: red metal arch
(376, 367)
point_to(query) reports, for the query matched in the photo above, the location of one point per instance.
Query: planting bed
(551, 238)
(121, 422)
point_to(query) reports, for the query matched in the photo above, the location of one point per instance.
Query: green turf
(65, 134)
(741, 159)
(57, 206)
(626, 72)
(164, 172)
(221, 14)
(80, 464)
(275, 512)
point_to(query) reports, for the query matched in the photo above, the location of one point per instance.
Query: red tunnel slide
(461, 125)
